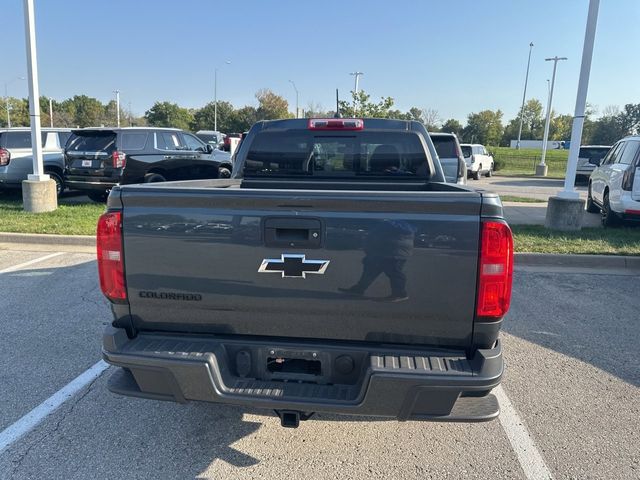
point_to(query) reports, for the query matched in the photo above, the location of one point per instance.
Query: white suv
(614, 185)
(478, 160)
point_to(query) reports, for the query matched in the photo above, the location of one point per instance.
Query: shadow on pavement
(593, 318)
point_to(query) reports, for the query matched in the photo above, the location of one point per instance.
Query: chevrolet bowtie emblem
(292, 265)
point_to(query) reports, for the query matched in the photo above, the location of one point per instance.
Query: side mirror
(595, 161)
(209, 148)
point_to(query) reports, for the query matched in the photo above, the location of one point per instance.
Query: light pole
(294, 87)
(215, 96)
(6, 97)
(50, 112)
(541, 169)
(524, 96)
(355, 97)
(130, 121)
(117, 92)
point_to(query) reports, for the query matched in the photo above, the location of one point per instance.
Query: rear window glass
(18, 139)
(64, 138)
(336, 154)
(92, 142)
(133, 141)
(445, 146)
(590, 152)
(466, 150)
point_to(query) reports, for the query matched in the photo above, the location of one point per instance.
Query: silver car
(588, 157)
(16, 155)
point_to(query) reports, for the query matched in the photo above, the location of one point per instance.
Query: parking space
(572, 380)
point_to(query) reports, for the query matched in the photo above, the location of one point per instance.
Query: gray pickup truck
(334, 272)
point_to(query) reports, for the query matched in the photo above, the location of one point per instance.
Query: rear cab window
(445, 146)
(306, 153)
(466, 150)
(92, 141)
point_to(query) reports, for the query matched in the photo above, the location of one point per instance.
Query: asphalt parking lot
(532, 187)
(570, 399)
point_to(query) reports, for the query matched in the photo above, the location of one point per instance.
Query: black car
(97, 159)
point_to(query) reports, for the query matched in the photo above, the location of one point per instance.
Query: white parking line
(27, 423)
(31, 262)
(520, 439)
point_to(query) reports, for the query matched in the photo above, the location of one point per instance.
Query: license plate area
(87, 163)
(301, 365)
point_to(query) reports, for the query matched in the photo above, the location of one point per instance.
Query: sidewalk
(534, 214)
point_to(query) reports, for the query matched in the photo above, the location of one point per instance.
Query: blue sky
(453, 56)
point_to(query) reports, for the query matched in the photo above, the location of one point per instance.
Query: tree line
(487, 126)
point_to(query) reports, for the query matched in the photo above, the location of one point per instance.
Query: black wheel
(476, 174)
(99, 197)
(609, 217)
(591, 206)
(224, 172)
(56, 177)
(489, 172)
(154, 178)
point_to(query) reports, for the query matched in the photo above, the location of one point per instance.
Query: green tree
(532, 123)
(271, 106)
(365, 107)
(18, 110)
(204, 118)
(560, 127)
(452, 126)
(167, 114)
(85, 111)
(242, 119)
(484, 127)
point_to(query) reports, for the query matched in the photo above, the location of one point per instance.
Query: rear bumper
(387, 382)
(96, 184)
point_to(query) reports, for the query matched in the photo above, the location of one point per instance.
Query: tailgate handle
(293, 232)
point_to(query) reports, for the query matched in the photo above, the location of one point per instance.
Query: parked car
(211, 137)
(586, 154)
(16, 155)
(614, 185)
(226, 146)
(478, 160)
(290, 313)
(97, 159)
(451, 159)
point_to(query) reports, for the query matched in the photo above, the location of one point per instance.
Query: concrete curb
(521, 259)
(45, 239)
(577, 261)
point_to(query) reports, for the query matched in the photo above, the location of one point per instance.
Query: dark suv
(97, 159)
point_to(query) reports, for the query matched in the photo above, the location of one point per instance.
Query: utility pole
(565, 211)
(215, 96)
(130, 120)
(294, 87)
(117, 92)
(541, 169)
(524, 96)
(50, 112)
(355, 97)
(38, 191)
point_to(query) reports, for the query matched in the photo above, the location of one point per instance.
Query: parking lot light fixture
(541, 169)
(117, 92)
(6, 97)
(355, 97)
(215, 96)
(524, 96)
(295, 88)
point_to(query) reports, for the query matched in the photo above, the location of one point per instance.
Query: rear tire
(99, 197)
(224, 172)
(609, 217)
(591, 206)
(489, 173)
(56, 177)
(476, 174)
(154, 178)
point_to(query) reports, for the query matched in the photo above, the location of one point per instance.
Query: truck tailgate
(221, 261)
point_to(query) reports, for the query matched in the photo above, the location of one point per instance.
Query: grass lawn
(515, 198)
(510, 161)
(596, 241)
(73, 219)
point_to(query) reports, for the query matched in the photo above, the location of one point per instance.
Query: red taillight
(110, 256)
(119, 159)
(336, 124)
(5, 157)
(495, 270)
